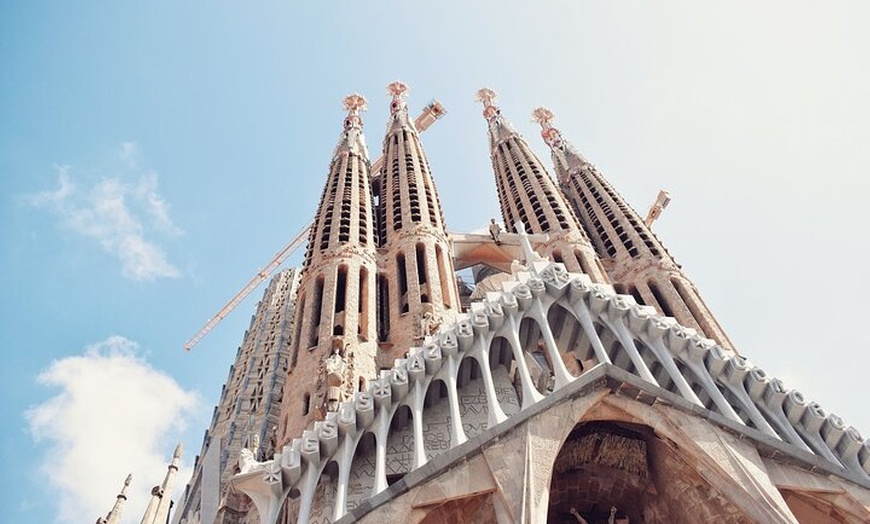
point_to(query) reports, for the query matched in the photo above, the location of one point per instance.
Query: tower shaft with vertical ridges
(248, 410)
(636, 260)
(528, 194)
(334, 335)
(417, 287)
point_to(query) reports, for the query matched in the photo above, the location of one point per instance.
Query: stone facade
(248, 410)
(574, 389)
(653, 416)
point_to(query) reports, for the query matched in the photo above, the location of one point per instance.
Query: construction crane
(662, 201)
(432, 112)
(262, 275)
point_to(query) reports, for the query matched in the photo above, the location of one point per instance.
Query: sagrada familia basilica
(581, 378)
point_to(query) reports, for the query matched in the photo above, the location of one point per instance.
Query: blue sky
(154, 155)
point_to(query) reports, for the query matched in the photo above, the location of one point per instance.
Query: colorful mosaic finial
(550, 134)
(398, 90)
(354, 104)
(488, 96)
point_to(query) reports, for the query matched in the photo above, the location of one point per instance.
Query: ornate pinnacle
(398, 90)
(487, 96)
(543, 116)
(179, 449)
(354, 103)
(550, 134)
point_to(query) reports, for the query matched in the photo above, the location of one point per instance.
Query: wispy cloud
(129, 153)
(156, 206)
(112, 416)
(118, 215)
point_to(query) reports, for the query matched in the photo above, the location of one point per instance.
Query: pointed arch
(436, 419)
(473, 408)
(504, 375)
(537, 358)
(361, 480)
(400, 444)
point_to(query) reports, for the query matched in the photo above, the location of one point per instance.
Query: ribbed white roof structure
(592, 324)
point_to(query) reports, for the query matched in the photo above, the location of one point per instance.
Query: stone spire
(528, 194)
(334, 333)
(114, 516)
(417, 290)
(635, 259)
(158, 508)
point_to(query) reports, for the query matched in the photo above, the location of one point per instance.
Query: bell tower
(334, 334)
(417, 288)
(528, 194)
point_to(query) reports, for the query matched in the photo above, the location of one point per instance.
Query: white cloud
(112, 212)
(129, 153)
(157, 207)
(114, 415)
(59, 195)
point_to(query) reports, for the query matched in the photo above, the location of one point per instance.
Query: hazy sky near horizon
(153, 156)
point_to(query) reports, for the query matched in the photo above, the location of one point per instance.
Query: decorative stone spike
(365, 409)
(523, 295)
(756, 383)
(509, 304)
(328, 434)
(310, 450)
(291, 460)
(464, 335)
(399, 381)
(775, 394)
(416, 367)
(382, 393)
(599, 301)
(677, 339)
(864, 456)
(813, 418)
(347, 419)
(795, 406)
(639, 318)
(659, 327)
(432, 357)
(832, 430)
(495, 315)
(849, 445)
(717, 360)
(449, 345)
(619, 307)
(697, 348)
